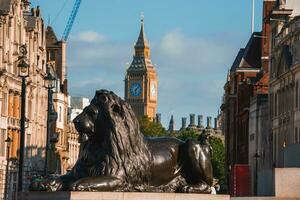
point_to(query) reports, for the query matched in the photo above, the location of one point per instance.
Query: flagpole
(253, 15)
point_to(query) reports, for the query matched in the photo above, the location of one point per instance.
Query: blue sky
(193, 44)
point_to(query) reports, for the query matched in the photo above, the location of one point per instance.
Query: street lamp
(256, 156)
(50, 84)
(8, 141)
(23, 73)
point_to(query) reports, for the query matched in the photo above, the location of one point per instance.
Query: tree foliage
(185, 134)
(150, 128)
(218, 159)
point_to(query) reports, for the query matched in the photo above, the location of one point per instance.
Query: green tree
(185, 134)
(150, 128)
(218, 159)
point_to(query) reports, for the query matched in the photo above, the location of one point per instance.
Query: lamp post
(8, 141)
(23, 73)
(50, 84)
(256, 156)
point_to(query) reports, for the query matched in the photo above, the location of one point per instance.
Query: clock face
(153, 90)
(135, 89)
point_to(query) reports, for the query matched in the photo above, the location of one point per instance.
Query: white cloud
(192, 53)
(89, 36)
(191, 70)
(173, 44)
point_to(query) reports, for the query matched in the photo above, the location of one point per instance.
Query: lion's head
(104, 112)
(110, 123)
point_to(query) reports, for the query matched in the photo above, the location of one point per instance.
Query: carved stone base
(118, 196)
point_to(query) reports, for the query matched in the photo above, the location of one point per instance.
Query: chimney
(192, 119)
(200, 121)
(183, 123)
(209, 122)
(216, 123)
(158, 118)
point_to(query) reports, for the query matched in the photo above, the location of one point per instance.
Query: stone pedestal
(287, 182)
(118, 196)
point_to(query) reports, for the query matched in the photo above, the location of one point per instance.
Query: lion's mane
(123, 147)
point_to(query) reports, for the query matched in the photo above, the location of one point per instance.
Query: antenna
(253, 16)
(49, 20)
(142, 16)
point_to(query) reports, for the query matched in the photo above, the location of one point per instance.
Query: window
(297, 93)
(4, 104)
(271, 105)
(1, 103)
(29, 147)
(275, 104)
(2, 142)
(51, 55)
(296, 135)
(60, 114)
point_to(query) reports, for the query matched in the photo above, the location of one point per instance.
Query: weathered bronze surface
(115, 155)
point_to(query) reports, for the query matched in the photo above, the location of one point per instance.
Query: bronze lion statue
(116, 156)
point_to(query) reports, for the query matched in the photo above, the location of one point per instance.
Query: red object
(240, 181)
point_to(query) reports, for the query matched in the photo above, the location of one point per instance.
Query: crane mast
(71, 20)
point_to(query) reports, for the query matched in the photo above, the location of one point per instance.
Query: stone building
(260, 142)
(76, 106)
(284, 83)
(259, 109)
(58, 143)
(20, 25)
(73, 146)
(141, 80)
(236, 101)
(198, 128)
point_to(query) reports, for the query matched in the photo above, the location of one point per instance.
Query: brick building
(261, 98)
(236, 101)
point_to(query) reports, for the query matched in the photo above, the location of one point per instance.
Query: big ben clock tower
(141, 80)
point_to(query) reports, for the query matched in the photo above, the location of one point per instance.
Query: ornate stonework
(141, 80)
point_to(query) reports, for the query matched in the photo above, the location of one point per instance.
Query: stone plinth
(263, 198)
(118, 196)
(287, 182)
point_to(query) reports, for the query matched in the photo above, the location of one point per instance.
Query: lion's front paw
(55, 185)
(49, 184)
(199, 188)
(80, 186)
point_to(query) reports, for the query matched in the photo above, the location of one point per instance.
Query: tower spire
(142, 41)
(171, 124)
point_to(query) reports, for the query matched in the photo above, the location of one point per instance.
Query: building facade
(141, 80)
(260, 140)
(236, 102)
(284, 83)
(73, 146)
(259, 110)
(76, 106)
(20, 25)
(58, 141)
